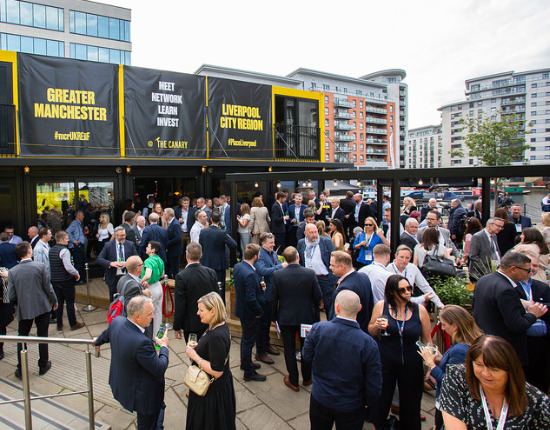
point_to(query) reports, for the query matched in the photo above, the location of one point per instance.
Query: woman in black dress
(6, 308)
(216, 410)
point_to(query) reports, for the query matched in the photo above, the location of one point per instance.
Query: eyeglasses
(522, 268)
(404, 289)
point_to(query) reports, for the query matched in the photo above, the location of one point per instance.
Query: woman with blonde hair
(217, 409)
(157, 208)
(367, 240)
(533, 241)
(243, 219)
(545, 219)
(321, 228)
(105, 231)
(259, 220)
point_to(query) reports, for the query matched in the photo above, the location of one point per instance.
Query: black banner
(239, 116)
(164, 114)
(68, 108)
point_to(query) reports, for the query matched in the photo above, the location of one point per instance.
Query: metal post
(486, 199)
(395, 213)
(26, 388)
(379, 201)
(91, 412)
(88, 307)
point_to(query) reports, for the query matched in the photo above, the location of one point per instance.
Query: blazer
(364, 213)
(213, 241)
(136, 374)
(480, 255)
(41, 254)
(157, 233)
(109, 253)
(506, 238)
(339, 214)
(325, 246)
(525, 221)
(247, 292)
(259, 220)
(174, 244)
(295, 296)
(8, 257)
(192, 283)
(226, 218)
(266, 267)
(454, 355)
(498, 311)
(137, 235)
(292, 215)
(343, 387)
(541, 294)
(360, 284)
(130, 233)
(190, 216)
(29, 287)
(407, 239)
(277, 219)
(348, 206)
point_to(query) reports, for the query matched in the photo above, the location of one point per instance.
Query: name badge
(304, 329)
(519, 228)
(368, 257)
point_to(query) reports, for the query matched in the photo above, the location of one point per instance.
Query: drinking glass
(383, 331)
(192, 342)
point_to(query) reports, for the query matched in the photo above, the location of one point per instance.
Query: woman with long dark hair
(338, 234)
(506, 236)
(473, 225)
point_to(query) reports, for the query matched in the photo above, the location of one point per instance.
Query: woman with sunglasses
(404, 323)
(367, 240)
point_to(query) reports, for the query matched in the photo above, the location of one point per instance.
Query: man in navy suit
(113, 258)
(336, 211)
(278, 221)
(8, 257)
(521, 221)
(315, 252)
(174, 245)
(248, 309)
(225, 211)
(296, 215)
(186, 217)
(359, 283)
(136, 375)
(214, 255)
(154, 232)
(341, 392)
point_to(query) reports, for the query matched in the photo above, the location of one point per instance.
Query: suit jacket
(226, 218)
(259, 220)
(446, 236)
(136, 375)
(34, 241)
(174, 244)
(292, 215)
(295, 296)
(109, 253)
(364, 213)
(360, 284)
(130, 234)
(29, 286)
(339, 214)
(541, 294)
(406, 239)
(480, 255)
(325, 246)
(190, 216)
(277, 219)
(157, 233)
(343, 387)
(8, 257)
(523, 220)
(348, 206)
(247, 292)
(137, 235)
(213, 241)
(498, 311)
(266, 266)
(192, 283)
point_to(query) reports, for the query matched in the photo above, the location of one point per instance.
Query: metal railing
(25, 375)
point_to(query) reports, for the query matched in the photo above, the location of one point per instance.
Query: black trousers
(537, 372)
(151, 422)
(280, 243)
(323, 418)
(250, 332)
(262, 340)
(79, 257)
(65, 293)
(327, 284)
(42, 323)
(173, 265)
(288, 333)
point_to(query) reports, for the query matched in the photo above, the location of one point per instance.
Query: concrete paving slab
(118, 418)
(282, 400)
(262, 417)
(244, 398)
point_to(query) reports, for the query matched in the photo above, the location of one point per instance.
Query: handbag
(198, 380)
(437, 265)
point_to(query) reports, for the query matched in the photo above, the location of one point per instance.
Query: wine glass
(384, 319)
(192, 342)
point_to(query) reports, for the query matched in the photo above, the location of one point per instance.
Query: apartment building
(526, 94)
(78, 29)
(424, 149)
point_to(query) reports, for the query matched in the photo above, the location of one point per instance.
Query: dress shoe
(18, 374)
(256, 366)
(77, 326)
(307, 383)
(264, 358)
(44, 369)
(255, 377)
(59, 327)
(272, 351)
(53, 320)
(289, 385)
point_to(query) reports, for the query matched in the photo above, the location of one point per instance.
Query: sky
(439, 43)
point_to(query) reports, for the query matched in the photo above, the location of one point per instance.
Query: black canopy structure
(397, 178)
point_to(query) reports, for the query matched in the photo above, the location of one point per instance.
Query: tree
(497, 140)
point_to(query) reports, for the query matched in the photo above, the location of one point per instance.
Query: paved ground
(260, 405)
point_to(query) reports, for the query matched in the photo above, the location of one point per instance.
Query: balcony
(402, 93)
(372, 120)
(402, 103)
(402, 124)
(371, 151)
(343, 137)
(343, 115)
(516, 109)
(376, 110)
(401, 133)
(342, 103)
(373, 130)
(516, 101)
(342, 149)
(372, 141)
(340, 125)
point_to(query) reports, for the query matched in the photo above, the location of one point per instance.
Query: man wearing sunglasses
(498, 309)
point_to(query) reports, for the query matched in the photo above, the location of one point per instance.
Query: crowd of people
(357, 318)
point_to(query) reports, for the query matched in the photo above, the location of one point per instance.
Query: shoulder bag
(198, 380)
(437, 265)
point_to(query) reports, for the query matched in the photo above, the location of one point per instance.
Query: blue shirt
(365, 255)
(76, 232)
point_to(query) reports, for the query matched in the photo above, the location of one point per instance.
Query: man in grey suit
(484, 252)
(29, 286)
(433, 219)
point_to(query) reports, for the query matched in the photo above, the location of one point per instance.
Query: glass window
(27, 45)
(2, 11)
(80, 23)
(103, 26)
(52, 48)
(122, 28)
(25, 10)
(40, 46)
(3, 41)
(54, 195)
(113, 29)
(114, 56)
(14, 43)
(60, 17)
(93, 53)
(39, 13)
(127, 32)
(104, 55)
(80, 53)
(71, 21)
(12, 11)
(91, 24)
(52, 20)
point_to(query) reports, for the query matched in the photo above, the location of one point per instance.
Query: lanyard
(488, 420)
(370, 240)
(528, 290)
(401, 327)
